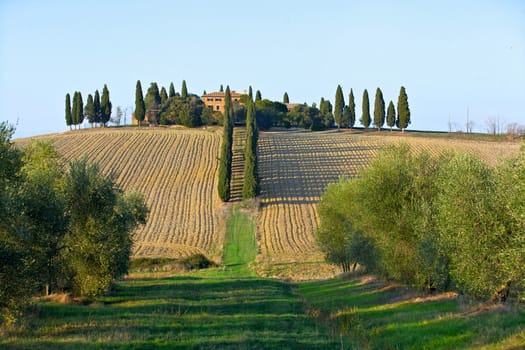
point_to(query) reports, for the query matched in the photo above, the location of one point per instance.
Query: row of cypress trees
(345, 115)
(97, 110)
(225, 161)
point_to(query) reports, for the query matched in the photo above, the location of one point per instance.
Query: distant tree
(105, 106)
(339, 106)
(325, 114)
(172, 91)
(118, 116)
(391, 115)
(351, 109)
(225, 162)
(286, 99)
(140, 108)
(365, 118)
(203, 92)
(97, 107)
(379, 110)
(250, 93)
(77, 111)
(258, 96)
(303, 116)
(152, 102)
(69, 118)
(403, 110)
(163, 96)
(221, 89)
(184, 90)
(89, 110)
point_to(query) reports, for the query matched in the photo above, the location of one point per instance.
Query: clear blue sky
(450, 55)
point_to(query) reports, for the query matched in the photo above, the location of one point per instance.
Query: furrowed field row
(174, 169)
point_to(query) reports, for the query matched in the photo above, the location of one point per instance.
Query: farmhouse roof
(233, 93)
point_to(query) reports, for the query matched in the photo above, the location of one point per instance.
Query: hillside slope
(176, 171)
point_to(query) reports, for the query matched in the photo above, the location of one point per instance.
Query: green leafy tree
(221, 89)
(105, 106)
(325, 114)
(379, 110)
(69, 118)
(97, 108)
(77, 111)
(391, 115)
(365, 117)
(250, 93)
(89, 110)
(225, 164)
(351, 109)
(184, 90)
(339, 106)
(101, 220)
(258, 96)
(152, 101)
(403, 110)
(172, 91)
(286, 99)
(140, 108)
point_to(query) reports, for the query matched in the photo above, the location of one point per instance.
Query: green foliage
(89, 110)
(97, 108)
(184, 90)
(326, 118)
(101, 220)
(172, 91)
(303, 116)
(365, 116)
(152, 101)
(379, 110)
(351, 109)
(163, 96)
(140, 108)
(184, 111)
(339, 107)
(270, 113)
(286, 99)
(105, 106)
(250, 188)
(225, 163)
(258, 96)
(69, 118)
(391, 115)
(403, 110)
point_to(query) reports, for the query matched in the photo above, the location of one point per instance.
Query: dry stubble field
(295, 168)
(174, 168)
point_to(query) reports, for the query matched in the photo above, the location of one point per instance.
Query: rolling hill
(175, 168)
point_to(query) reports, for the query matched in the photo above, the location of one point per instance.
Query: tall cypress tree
(163, 96)
(105, 106)
(140, 108)
(184, 90)
(250, 187)
(339, 106)
(69, 119)
(403, 110)
(97, 108)
(379, 110)
(286, 99)
(172, 91)
(80, 110)
(250, 93)
(258, 96)
(351, 109)
(152, 102)
(89, 110)
(221, 89)
(391, 115)
(225, 164)
(365, 117)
